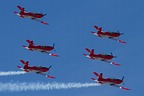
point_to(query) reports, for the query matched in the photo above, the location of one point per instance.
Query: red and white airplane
(110, 81)
(31, 15)
(43, 49)
(101, 57)
(36, 69)
(107, 34)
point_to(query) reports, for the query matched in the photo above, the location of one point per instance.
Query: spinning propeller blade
(50, 67)
(120, 33)
(113, 56)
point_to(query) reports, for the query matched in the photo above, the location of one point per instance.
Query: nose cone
(50, 48)
(119, 81)
(45, 69)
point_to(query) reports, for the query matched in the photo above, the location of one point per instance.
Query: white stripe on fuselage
(29, 70)
(104, 82)
(25, 16)
(97, 58)
(104, 36)
(35, 49)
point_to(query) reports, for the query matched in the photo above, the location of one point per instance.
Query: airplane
(107, 34)
(36, 69)
(43, 49)
(101, 57)
(110, 81)
(31, 15)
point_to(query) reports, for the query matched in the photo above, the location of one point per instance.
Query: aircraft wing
(113, 63)
(114, 85)
(116, 39)
(51, 54)
(40, 21)
(48, 76)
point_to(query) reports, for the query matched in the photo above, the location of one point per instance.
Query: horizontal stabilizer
(88, 50)
(93, 78)
(19, 66)
(96, 27)
(96, 74)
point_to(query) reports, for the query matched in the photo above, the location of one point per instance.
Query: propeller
(113, 56)
(50, 66)
(122, 80)
(54, 47)
(42, 14)
(120, 33)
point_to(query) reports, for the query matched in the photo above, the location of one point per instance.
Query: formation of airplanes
(47, 49)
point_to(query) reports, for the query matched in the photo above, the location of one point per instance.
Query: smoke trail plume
(11, 73)
(42, 86)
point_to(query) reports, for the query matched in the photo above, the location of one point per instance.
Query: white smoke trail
(42, 86)
(11, 73)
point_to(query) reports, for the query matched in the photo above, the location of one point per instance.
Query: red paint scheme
(101, 57)
(107, 34)
(111, 81)
(44, 49)
(36, 69)
(31, 15)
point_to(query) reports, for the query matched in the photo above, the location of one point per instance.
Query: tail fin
(99, 29)
(20, 8)
(92, 51)
(30, 42)
(25, 63)
(100, 76)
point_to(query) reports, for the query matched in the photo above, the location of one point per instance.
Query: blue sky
(70, 26)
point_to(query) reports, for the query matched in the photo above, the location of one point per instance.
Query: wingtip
(44, 23)
(115, 64)
(121, 41)
(55, 55)
(52, 77)
(124, 88)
